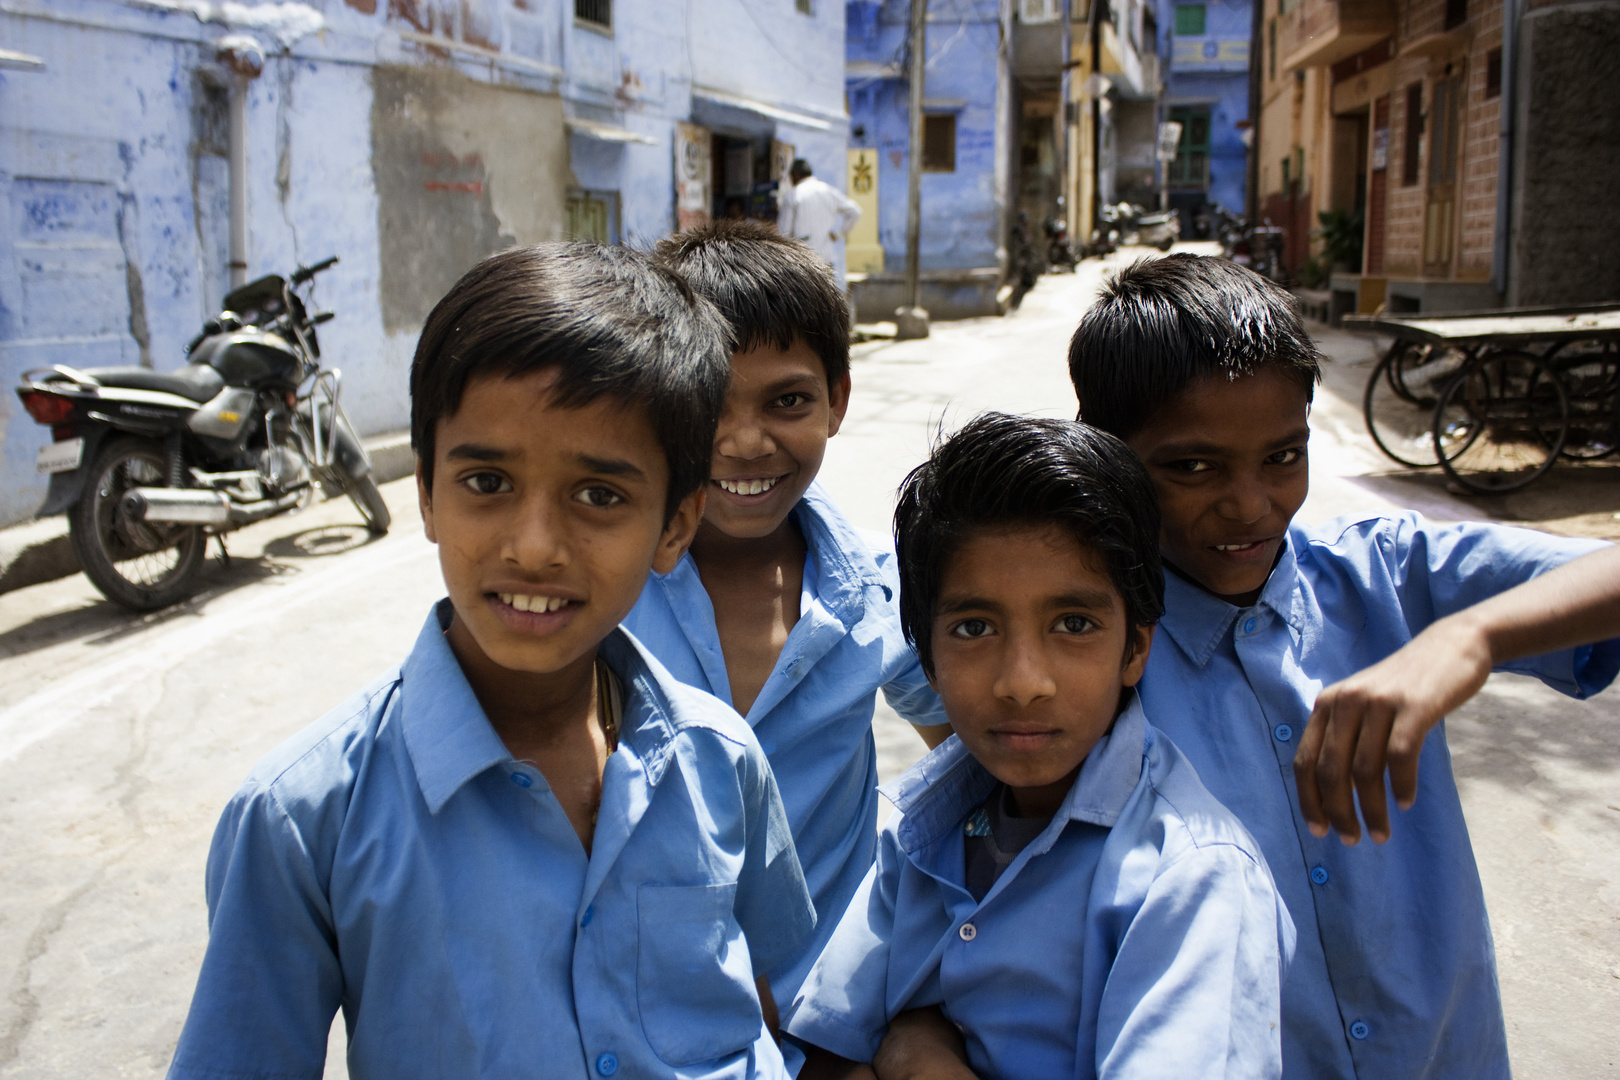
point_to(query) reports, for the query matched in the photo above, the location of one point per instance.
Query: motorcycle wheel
(143, 567)
(1166, 244)
(369, 501)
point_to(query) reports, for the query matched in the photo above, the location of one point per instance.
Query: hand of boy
(922, 1045)
(1378, 718)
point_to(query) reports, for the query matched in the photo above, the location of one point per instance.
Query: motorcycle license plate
(60, 456)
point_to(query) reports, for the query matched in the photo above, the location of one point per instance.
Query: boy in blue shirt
(1056, 879)
(781, 608)
(1207, 374)
(527, 851)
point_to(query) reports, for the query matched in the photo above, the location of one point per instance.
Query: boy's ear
(838, 398)
(680, 529)
(424, 501)
(1137, 645)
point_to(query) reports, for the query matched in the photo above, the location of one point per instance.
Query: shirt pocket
(694, 978)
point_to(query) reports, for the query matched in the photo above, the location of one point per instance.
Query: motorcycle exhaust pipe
(192, 506)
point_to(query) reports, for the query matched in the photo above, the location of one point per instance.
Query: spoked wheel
(1501, 423)
(1400, 398)
(369, 501)
(1591, 374)
(141, 565)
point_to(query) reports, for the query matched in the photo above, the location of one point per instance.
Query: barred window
(597, 12)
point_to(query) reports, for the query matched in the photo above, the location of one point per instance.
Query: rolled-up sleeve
(270, 981)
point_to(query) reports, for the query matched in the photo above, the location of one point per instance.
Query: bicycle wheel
(1501, 423)
(1399, 410)
(1591, 374)
(141, 565)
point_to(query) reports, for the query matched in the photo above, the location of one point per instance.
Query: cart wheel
(1501, 423)
(1591, 374)
(1400, 398)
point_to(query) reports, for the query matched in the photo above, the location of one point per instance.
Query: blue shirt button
(607, 1064)
(520, 780)
(1284, 732)
(590, 913)
(1319, 875)
(1360, 1030)
(1248, 625)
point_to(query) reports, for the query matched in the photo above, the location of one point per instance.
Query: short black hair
(608, 320)
(1003, 471)
(771, 288)
(1165, 323)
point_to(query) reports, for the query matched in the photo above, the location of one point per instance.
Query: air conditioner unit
(1038, 11)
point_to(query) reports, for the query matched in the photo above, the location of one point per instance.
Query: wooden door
(1440, 214)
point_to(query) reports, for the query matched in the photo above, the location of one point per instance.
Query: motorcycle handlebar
(304, 273)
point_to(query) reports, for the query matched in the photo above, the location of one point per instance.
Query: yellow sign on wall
(864, 255)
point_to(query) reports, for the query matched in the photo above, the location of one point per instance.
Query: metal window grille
(1190, 169)
(599, 12)
(939, 143)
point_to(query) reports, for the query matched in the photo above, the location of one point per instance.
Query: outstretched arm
(1377, 719)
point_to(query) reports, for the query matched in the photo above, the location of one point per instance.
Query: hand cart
(1496, 398)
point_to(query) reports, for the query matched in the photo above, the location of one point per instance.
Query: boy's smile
(547, 520)
(773, 433)
(1228, 460)
(1032, 650)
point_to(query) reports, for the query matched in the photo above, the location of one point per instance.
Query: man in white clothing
(819, 214)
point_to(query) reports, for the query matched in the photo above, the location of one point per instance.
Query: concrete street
(121, 737)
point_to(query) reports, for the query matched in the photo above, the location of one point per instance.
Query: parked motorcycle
(1059, 254)
(149, 464)
(1153, 228)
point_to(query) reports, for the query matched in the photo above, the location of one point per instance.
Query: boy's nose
(1025, 677)
(745, 440)
(1246, 500)
(535, 541)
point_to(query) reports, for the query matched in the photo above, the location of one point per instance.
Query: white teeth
(1233, 547)
(532, 603)
(748, 487)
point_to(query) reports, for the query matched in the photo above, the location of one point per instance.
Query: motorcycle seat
(196, 382)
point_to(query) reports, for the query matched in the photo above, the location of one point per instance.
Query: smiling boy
(782, 608)
(1056, 880)
(528, 851)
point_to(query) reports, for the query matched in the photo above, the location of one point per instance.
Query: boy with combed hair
(527, 851)
(1055, 879)
(1205, 371)
(782, 608)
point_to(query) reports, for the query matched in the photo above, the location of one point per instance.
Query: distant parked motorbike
(1153, 228)
(1059, 254)
(149, 464)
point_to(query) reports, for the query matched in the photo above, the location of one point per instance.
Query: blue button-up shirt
(394, 858)
(813, 716)
(1395, 976)
(1139, 935)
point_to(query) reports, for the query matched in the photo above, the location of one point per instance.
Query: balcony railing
(1316, 33)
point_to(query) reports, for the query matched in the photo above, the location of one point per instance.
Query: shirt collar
(1198, 621)
(945, 786)
(451, 741)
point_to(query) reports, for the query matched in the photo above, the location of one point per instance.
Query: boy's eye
(1286, 457)
(487, 483)
(1191, 465)
(1074, 624)
(599, 497)
(792, 401)
(971, 628)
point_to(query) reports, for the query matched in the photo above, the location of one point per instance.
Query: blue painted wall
(960, 223)
(112, 174)
(1213, 70)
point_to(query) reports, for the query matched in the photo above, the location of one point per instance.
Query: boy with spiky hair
(528, 850)
(1205, 371)
(1055, 880)
(781, 607)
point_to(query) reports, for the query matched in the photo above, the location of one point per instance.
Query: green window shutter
(1189, 20)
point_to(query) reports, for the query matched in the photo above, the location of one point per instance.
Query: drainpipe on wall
(911, 321)
(1503, 239)
(245, 59)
